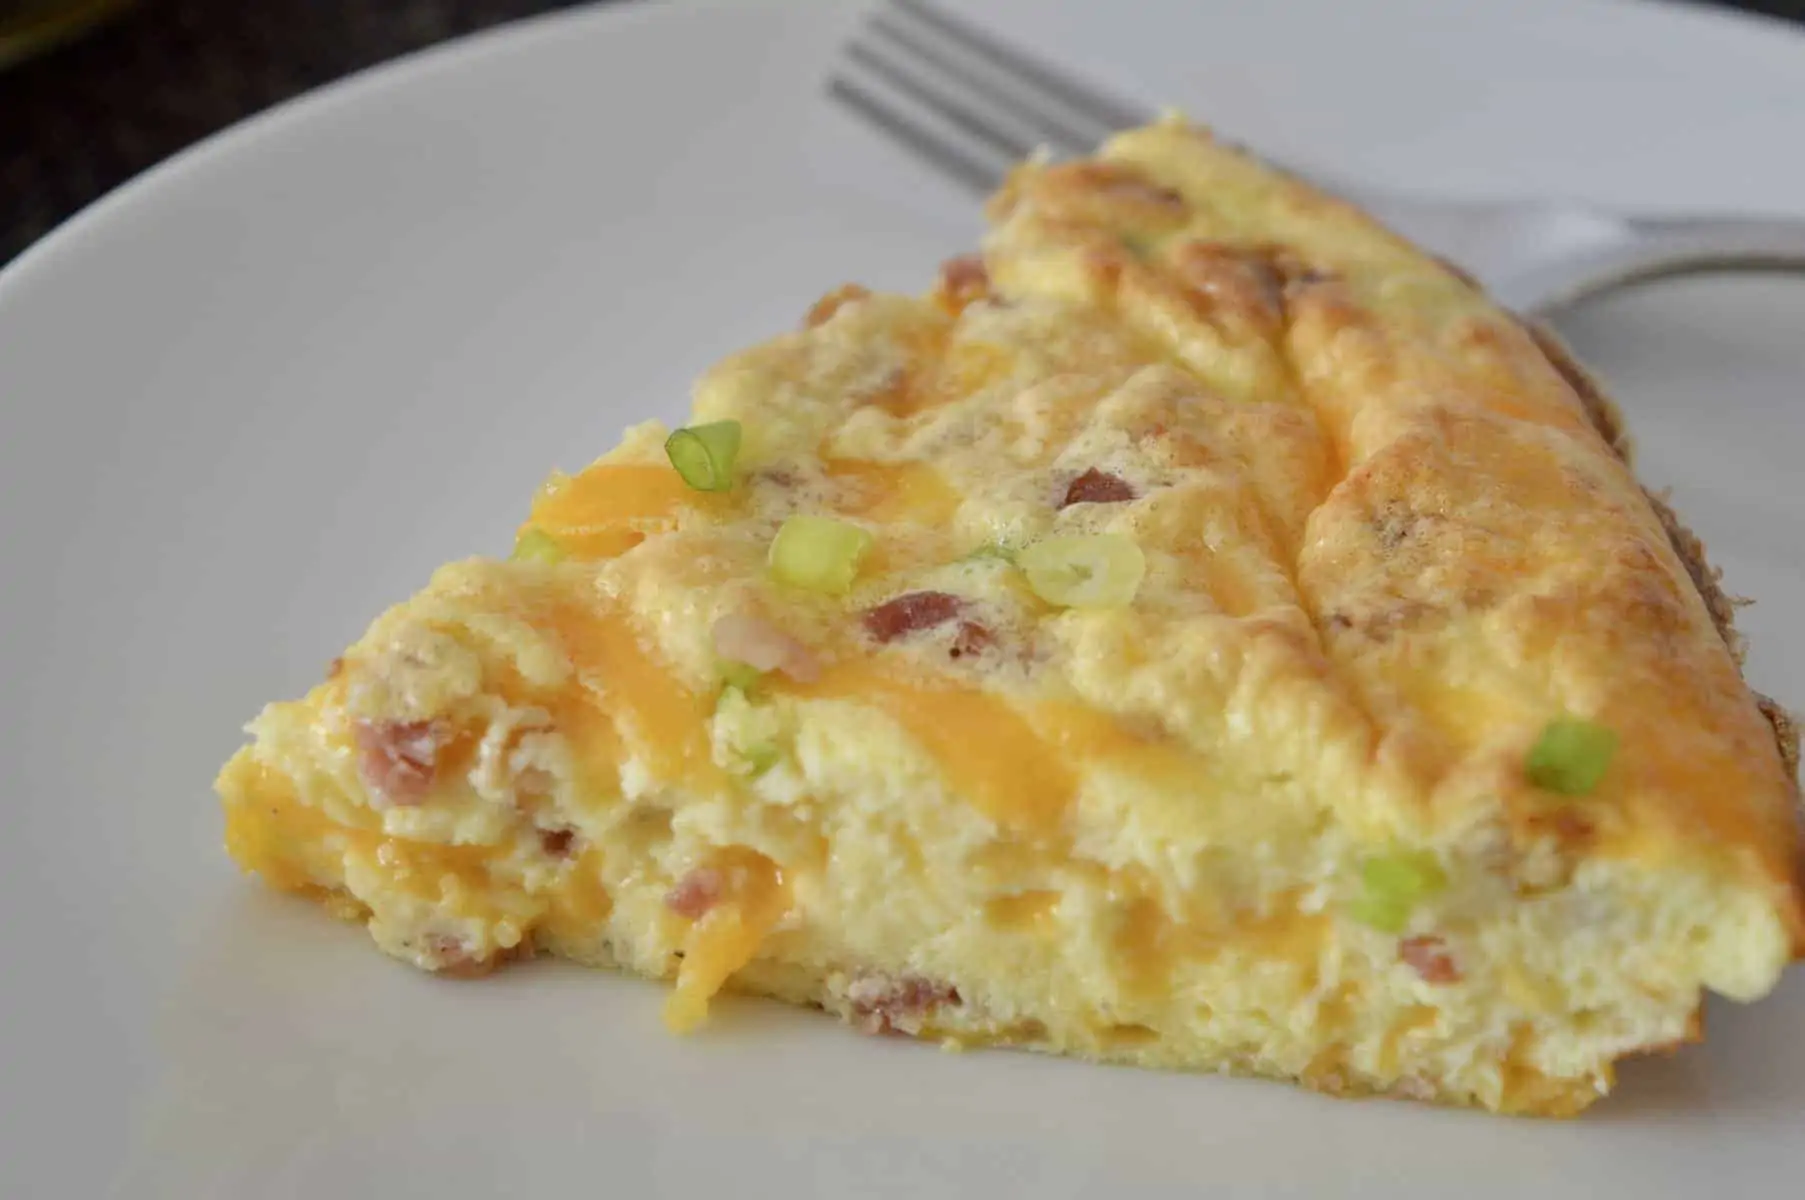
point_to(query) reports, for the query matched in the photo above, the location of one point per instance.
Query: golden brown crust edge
(1071, 229)
(1608, 421)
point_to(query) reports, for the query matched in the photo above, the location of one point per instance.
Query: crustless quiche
(1202, 633)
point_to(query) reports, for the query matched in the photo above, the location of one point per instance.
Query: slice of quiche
(1202, 633)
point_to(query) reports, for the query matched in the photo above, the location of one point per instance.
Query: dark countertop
(79, 120)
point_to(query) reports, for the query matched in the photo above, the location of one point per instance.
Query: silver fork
(971, 106)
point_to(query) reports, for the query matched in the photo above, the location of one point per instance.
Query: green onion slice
(1571, 757)
(536, 545)
(992, 550)
(704, 454)
(1392, 885)
(1101, 570)
(740, 675)
(818, 554)
(762, 756)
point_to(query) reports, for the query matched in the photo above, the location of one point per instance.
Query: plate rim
(172, 174)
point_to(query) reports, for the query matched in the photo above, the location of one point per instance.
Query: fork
(970, 105)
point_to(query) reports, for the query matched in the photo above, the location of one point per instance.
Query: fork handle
(1655, 247)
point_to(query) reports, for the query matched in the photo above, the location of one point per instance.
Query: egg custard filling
(1202, 632)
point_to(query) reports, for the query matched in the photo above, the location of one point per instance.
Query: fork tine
(960, 115)
(1080, 98)
(974, 173)
(1062, 135)
(963, 100)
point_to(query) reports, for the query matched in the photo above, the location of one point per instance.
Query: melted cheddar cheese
(729, 935)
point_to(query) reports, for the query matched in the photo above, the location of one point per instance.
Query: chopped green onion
(536, 545)
(992, 550)
(740, 675)
(1571, 757)
(819, 554)
(704, 454)
(1101, 570)
(751, 732)
(1392, 885)
(762, 756)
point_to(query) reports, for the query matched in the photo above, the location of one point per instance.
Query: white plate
(256, 396)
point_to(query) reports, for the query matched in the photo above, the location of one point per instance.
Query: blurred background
(94, 91)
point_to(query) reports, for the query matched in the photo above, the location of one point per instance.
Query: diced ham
(696, 893)
(914, 612)
(1097, 487)
(455, 960)
(911, 613)
(972, 638)
(1430, 958)
(399, 760)
(885, 1003)
(762, 646)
